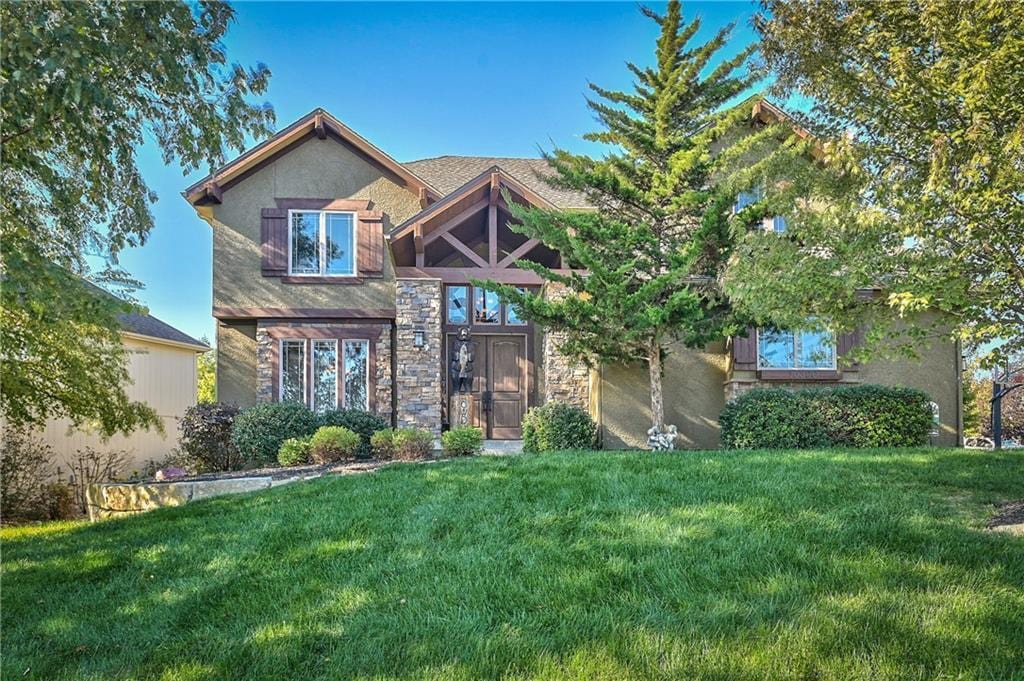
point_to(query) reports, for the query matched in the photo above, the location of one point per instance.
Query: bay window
(321, 243)
(784, 349)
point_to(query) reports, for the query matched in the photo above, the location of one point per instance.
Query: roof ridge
(494, 158)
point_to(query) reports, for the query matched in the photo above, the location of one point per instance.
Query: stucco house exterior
(162, 371)
(341, 277)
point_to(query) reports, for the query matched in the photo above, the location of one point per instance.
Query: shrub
(412, 443)
(25, 469)
(60, 501)
(333, 443)
(294, 451)
(362, 423)
(842, 416)
(382, 444)
(462, 441)
(259, 431)
(206, 437)
(556, 426)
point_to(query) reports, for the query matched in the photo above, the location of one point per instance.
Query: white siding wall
(164, 377)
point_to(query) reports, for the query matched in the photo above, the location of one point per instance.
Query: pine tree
(647, 260)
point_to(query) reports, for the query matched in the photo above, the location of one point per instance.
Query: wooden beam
(451, 223)
(463, 275)
(523, 249)
(213, 192)
(424, 198)
(318, 127)
(417, 242)
(464, 249)
(495, 193)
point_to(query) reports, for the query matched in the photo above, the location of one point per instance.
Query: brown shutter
(744, 351)
(844, 344)
(371, 243)
(274, 241)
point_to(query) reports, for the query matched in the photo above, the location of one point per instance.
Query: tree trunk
(657, 397)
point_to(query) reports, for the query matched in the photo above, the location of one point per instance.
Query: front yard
(735, 565)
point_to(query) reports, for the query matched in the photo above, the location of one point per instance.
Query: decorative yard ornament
(462, 363)
(662, 441)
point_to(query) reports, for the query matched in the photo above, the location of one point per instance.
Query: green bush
(462, 441)
(557, 426)
(841, 416)
(362, 423)
(412, 443)
(294, 451)
(333, 443)
(382, 444)
(206, 437)
(259, 431)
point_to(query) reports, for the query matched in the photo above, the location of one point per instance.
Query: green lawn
(703, 565)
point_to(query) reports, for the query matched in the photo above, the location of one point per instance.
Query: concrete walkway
(502, 447)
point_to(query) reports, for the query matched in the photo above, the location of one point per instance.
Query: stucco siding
(316, 169)
(694, 397)
(163, 377)
(236, 363)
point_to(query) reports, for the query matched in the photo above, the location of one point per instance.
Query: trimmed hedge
(259, 431)
(412, 444)
(294, 451)
(462, 441)
(333, 443)
(362, 423)
(842, 416)
(556, 426)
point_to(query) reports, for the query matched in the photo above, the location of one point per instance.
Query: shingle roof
(448, 173)
(148, 325)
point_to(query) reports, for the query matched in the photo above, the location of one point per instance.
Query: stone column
(565, 379)
(418, 369)
(264, 374)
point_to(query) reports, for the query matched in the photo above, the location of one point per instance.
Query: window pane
(487, 307)
(325, 375)
(293, 371)
(305, 243)
(356, 361)
(775, 349)
(747, 198)
(511, 315)
(816, 350)
(778, 224)
(458, 304)
(340, 243)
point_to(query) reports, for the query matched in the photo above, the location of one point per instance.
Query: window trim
(322, 244)
(312, 366)
(833, 368)
(281, 367)
(344, 374)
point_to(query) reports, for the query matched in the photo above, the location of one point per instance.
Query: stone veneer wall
(382, 370)
(565, 380)
(418, 370)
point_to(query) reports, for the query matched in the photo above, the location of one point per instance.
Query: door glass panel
(325, 375)
(339, 241)
(512, 317)
(293, 371)
(305, 243)
(357, 357)
(458, 304)
(487, 307)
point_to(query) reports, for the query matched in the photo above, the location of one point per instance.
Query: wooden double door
(500, 390)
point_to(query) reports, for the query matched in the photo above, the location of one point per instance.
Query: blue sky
(418, 80)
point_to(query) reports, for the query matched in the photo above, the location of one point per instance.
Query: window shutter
(274, 241)
(371, 243)
(744, 351)
(846, 342)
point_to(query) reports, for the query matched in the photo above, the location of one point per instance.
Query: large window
(458, 304)
(782, 349)
(321, 243)
(293, 371)
(486, 307)
(357, 374)
(320, 360)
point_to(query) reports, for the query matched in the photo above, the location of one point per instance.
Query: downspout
(959, 366)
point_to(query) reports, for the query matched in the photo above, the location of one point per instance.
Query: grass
(697, 565)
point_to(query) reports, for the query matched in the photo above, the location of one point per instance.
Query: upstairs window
(783, 349)
(321, 243)
(744, 199)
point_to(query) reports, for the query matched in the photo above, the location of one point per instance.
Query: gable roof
(449, 173)
(317, 122)
(138, 324)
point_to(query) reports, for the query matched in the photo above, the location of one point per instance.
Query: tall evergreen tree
(648, 258)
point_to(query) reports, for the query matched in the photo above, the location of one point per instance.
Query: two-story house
(342, 276)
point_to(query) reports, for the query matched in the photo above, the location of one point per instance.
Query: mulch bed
(1011, 513)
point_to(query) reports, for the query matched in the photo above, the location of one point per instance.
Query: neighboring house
(162, 369)
(341, 277)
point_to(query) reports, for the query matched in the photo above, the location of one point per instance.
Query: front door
(500, 385)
